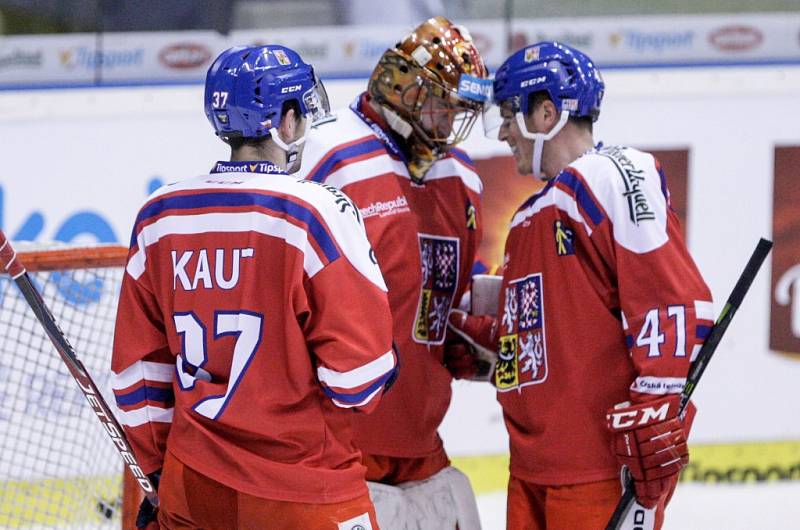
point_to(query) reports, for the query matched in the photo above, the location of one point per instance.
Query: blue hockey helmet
(246, 87)
(568, 75)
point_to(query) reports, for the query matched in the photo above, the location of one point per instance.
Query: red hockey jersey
(252, 316)
(426, 238)
(601, 303)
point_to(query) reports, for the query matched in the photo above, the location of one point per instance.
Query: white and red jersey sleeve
(666, 307)
(343, 296)
(144, 369)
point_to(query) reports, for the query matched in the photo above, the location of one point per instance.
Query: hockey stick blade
(700, 363)
(12, 265)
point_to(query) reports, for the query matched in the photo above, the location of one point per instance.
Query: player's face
(437, 118)
(521, 147)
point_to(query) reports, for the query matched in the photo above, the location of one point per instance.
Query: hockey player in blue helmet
(232, 362)
(261, 101)
(600, 309)
(573, 88)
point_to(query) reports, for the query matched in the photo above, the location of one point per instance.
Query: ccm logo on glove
(629, 418)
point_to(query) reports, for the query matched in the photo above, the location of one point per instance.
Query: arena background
(91, 125)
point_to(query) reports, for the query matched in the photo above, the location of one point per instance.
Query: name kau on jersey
(222, 271)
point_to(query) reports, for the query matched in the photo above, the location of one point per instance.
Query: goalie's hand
(147, 518)
(471, 350)
(650, 439)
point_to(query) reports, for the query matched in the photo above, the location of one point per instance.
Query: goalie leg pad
(444, 501)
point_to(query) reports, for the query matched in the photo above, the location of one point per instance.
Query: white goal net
(58, 467)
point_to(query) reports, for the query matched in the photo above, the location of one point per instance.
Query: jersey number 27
(245, 326)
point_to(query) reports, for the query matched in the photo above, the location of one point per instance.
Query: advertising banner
(353, 51)
(785, 299)
(108, 58)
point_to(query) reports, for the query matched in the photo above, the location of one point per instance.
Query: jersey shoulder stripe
(219, 201)
(563, 197)
(348, 151)
(318, 220)
(359, 170)
(462, 156)
(344, 154)
(230, 222)
(334, 149)
(345, 133)
(571, 181)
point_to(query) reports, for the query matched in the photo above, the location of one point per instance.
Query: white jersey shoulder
(629, 187)
(453, 166)
(328, 204)
(343, 218)
(321, 141)
(347, 151)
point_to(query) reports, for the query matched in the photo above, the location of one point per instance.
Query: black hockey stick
(701, 362)
(12, 265)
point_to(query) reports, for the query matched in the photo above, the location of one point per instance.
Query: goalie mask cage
(58, 467)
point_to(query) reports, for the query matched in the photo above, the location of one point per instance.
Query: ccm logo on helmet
(294, 88)
(533, 81)
(643, 416)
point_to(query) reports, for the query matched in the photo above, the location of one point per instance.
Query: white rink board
(76, 158)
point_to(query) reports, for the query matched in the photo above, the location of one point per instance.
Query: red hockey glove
(650, 440)
(471, 352)
(458, 358)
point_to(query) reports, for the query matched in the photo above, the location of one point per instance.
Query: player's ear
(289, 124)
(549, 113)
(293, 124)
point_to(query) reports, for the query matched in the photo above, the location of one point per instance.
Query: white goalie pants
(444, 501)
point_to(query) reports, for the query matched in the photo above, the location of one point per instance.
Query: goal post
(58, 468)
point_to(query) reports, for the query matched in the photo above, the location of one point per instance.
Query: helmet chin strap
(292, 148)
(540, 138)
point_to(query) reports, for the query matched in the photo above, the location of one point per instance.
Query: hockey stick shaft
(700, 363)
(13, 266)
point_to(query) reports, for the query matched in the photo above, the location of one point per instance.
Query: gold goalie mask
(431, 86)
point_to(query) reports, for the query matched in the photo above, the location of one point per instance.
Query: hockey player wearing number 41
(236, 366)
(601, 308)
